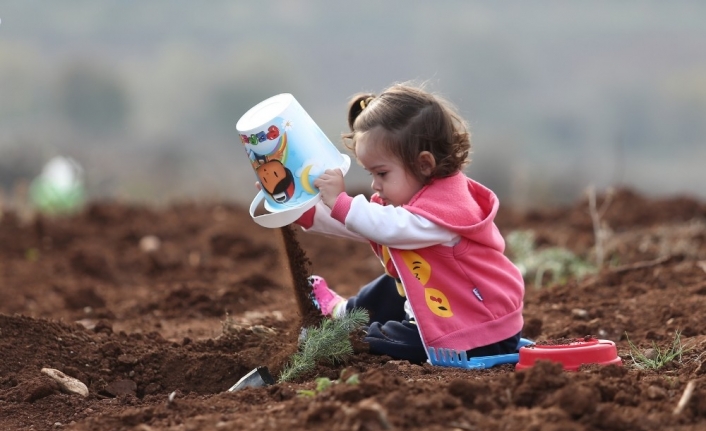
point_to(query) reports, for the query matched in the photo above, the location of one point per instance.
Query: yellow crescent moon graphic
(305, 180)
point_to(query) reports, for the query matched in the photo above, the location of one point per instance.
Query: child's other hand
(258, 186)
(330, 185)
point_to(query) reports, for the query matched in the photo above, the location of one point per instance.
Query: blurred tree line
(558, 95)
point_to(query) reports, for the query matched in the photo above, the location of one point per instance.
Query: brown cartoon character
(276, 179)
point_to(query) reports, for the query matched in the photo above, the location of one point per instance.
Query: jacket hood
(461, 205)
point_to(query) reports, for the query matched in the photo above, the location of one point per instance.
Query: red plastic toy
(571, 355)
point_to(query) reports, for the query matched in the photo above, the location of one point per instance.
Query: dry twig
(685, 397)
(640, 265)
(599, 231)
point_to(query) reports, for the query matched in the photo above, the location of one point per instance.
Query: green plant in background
(559, 262)
(59, 189)
(656, 358)
(327, 342)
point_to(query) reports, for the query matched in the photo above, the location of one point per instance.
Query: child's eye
(377, 174)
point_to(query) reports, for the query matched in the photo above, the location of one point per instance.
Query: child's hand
(330, 185)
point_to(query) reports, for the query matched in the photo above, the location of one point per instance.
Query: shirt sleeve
(324, 224)
(395, 227)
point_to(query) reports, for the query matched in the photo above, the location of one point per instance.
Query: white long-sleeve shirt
(394, 227)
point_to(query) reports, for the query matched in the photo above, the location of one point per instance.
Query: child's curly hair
(410, 120)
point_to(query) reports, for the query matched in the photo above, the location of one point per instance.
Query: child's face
(391, 180)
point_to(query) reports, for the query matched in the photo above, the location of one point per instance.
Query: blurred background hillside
(559, 95)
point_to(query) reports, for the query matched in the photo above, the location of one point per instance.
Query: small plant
(657, 357)
(327, 342)
(559, 262)
(323, 383)
(59, 189)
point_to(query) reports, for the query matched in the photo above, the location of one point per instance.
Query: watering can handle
(280, 218)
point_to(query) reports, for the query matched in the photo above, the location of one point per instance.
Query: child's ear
(426, 162)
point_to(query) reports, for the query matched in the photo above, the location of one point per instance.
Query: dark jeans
(389, 331)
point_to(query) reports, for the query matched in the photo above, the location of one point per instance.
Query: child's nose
(375, 186)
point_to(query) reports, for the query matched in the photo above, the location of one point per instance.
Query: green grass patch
(657, 357)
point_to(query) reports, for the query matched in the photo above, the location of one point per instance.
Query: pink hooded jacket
(465, 296)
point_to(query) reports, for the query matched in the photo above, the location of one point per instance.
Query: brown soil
(300, 270)
(564, 341)
(159, 336)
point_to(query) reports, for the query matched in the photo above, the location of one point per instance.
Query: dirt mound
(160, 311)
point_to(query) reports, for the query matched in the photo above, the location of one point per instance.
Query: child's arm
(388, 225)
(318, 220)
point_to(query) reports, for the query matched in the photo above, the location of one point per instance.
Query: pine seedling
(660, 357)
(327, 342)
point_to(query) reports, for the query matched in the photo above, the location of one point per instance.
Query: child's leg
(400, 340)
(381, 299)
(325, 299)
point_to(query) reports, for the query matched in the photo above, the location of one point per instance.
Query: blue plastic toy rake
(451, 358)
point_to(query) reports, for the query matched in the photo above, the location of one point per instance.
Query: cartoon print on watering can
(273, 161)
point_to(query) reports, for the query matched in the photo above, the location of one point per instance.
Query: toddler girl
(447, 283)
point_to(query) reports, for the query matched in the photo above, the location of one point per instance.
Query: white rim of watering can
(281, 218)
(289, 216)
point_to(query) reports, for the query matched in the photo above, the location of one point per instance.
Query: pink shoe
(324, 298)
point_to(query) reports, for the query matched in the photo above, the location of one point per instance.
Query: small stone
(650, 354)
(579, 313)
(67, 383)
(656, 393)
(150, 243)
(262, 330)
(89, 324)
